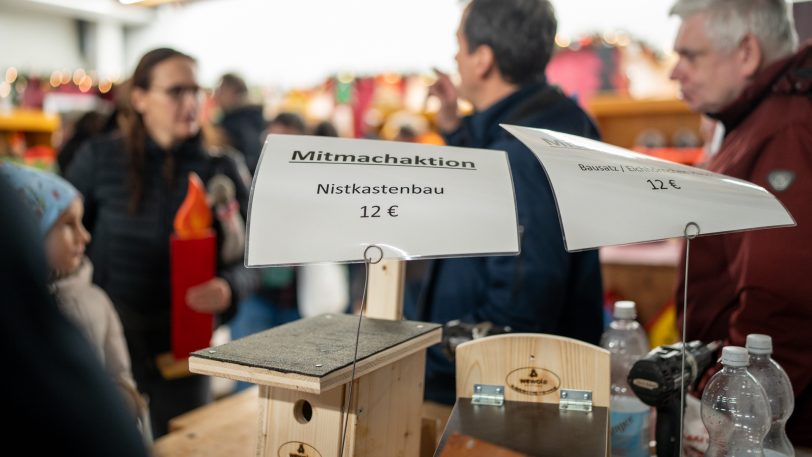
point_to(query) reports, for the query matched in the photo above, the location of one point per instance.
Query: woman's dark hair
(136, 133)
(520, 32)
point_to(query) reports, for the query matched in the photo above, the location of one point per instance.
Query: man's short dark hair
(234, 82)
(325, 128)
(520, 32)
(290, 120)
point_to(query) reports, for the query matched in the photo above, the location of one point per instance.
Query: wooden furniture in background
(26, 135)
(645, 273)
(36, 127)
(622, 119)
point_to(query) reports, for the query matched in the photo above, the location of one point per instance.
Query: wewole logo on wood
(533, 381)
(297, 449)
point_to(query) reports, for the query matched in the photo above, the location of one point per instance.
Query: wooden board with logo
(533, 369)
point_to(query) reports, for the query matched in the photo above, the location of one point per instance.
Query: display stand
(385, 294)
(532, 393)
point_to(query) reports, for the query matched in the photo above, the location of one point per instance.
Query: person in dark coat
(740, 64)
(133, 183)
(504, 47)
(242, 123)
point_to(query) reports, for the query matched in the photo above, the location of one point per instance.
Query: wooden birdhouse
(304, 370)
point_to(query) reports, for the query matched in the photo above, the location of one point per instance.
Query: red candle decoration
(192, 255)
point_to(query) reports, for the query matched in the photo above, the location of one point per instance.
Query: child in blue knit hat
(58, 208)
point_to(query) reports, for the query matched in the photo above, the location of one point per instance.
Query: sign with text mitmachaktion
(322, 199)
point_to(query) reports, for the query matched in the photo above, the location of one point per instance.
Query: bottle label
(630, 433)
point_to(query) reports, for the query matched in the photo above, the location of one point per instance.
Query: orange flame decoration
(193, 219)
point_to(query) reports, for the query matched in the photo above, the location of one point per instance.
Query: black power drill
(656, 379)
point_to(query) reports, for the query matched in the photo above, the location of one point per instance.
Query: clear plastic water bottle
(776, 383)
(735, 409)
(627, 342)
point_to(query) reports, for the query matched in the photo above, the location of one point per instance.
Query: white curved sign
(608, 195)
(320, 199)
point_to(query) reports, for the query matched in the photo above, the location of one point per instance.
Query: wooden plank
(388, 406)
(242, 403)
(264, 418)
(254, 375)
(533, 367)
(287, 428)
(625, 106)
(538, 429)
(385, 294)
(316, 346)
(25, 120)
(459, 445)
(312, 384)
(227, 428)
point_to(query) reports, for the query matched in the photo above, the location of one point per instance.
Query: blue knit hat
(46, 194)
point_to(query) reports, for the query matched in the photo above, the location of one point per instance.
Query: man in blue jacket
(504, 47)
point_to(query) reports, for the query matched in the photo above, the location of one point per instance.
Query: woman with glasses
(133, 183)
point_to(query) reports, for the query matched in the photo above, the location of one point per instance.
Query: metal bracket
(485, 394)
(575, 400)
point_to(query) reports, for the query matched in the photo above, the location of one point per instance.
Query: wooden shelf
(624, 106)
(622, 119)
(28, 121)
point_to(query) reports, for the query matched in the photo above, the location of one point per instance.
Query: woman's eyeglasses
(179, 91)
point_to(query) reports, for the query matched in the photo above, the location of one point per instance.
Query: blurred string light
(607, 39)
(610, 38)
(11, 75)
(78, 76)
(105, 86)
(56, 78)
(83, 80)
(86, 83)
(562, 41)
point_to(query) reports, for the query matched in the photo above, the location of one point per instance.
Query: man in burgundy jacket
(739, 63)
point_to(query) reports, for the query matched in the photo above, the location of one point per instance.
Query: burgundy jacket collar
(791, 75)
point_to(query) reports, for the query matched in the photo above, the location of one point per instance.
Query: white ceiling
(92, 10)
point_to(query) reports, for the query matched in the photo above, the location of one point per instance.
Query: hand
(447, 118)
(213, 296)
